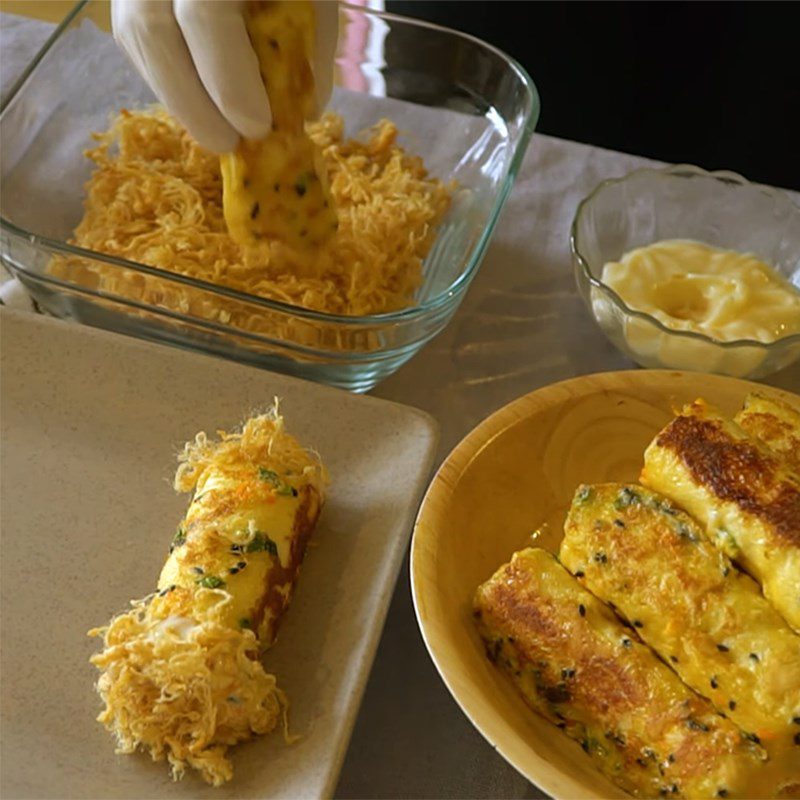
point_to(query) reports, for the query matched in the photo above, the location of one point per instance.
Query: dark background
(715, 84)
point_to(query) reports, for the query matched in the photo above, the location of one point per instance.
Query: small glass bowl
(464, 107)
(721, 209)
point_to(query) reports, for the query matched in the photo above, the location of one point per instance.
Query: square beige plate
(91, 423)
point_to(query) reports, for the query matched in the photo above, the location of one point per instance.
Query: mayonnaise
(689, 286)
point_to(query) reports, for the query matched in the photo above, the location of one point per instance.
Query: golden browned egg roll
(746, 496)
(773, 422)
(180, 673)
(650, 561)
(576, 664)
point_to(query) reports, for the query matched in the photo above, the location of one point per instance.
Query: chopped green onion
(211, 582)
(262, 543)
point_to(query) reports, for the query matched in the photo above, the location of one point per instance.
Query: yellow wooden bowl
(515, 473)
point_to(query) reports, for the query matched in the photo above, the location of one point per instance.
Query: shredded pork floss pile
(155, 197)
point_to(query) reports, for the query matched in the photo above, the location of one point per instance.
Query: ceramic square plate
(91, 424)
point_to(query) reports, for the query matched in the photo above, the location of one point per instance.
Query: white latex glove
(197, 58)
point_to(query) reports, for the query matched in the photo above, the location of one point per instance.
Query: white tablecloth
(521, 326)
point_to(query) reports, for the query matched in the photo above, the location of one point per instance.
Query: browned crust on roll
(575, 663)
(736, 470)
(278, 576)
(540, 634)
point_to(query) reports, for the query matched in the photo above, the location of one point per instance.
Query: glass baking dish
(466, 108)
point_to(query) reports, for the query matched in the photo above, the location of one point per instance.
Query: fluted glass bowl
(465, 107)
(721, 209)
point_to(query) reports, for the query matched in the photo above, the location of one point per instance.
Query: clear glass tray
(466, 108)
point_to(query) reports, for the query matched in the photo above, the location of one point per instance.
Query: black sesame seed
(796, 739)
(300, 188)
(796, 720)
(752, 737)
(580, 573)
(493, 650)
(254, 210)
(637, 624)
(641, 762)
(582, 610)
(732, 705)
(673, 659)
(714, 684)
(674, 788)
(561, 725)
(619, 523)
(671, 758)
(601, 558)
(723, 648)
(626, 642)
(568, 673)
(696, 726)
(233, 570)
(198, 570)
(722, 792)
(242, 564)
(754, 657)
(627, 497)
(726, 571)
(557, 694)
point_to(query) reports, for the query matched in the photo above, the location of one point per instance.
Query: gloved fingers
(148, 32)
(215, 33)
(327, 37)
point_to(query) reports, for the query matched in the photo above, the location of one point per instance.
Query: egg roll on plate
(180, 672)
(575, 663)
(746, 496)
(635, 550)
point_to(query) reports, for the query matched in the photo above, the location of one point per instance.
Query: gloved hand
(197, 58)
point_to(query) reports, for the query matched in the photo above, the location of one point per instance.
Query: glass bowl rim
(683, 171)
(442, 299)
